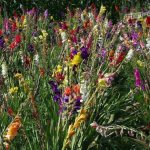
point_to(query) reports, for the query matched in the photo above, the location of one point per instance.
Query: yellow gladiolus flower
(102, 10)
(140, 63)
(71, 131)
(13, 90)
(76, 59)
(18, 76)
(45, 34)
(102, 82)
(59, 69)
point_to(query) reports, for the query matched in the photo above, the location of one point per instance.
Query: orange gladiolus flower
(67, 91)
(76, 89)
(12, 129)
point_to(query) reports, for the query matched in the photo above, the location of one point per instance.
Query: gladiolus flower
(148, 21)
(13, 90)
(117, 8)
(67, 91)
(81, 118)
(2, 42)
(76, 59)
(138, 81)
(18, 76)
(46, 13)
(140, 63)
(12, 129)
(14, 27)
(13, 45)
(102, 10)
(76, 89)
(63, 36)
(103, 82)
(130, 54)
(1, 32)
(71, 131)
(4, 69)
(18, 38)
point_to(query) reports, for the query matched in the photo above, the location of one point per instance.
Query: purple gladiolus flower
(46, 13)
(84, 53)
(139, 25)
(74, 52)
(110, 24)
(134, 36)
(103, 53)
(57, 93)
(66, 99)
(31, 48)
(77, 105)
(2, 42)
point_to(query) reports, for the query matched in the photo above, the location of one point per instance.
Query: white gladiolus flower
(36, 59)
(21, 55)
(130, 54)
(63, 36)
(91, 16)
(83, 90)
(4, 69)
(121, 38)
(82, 17)
(148, 44)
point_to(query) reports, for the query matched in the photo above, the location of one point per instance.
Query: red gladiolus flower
(13, 45)
(148, 21)
(59, 77)
(120, 57)
(14, 27)
(18, 38)
(15, 15)
(117, 8)
(1, 32)
(27, 61)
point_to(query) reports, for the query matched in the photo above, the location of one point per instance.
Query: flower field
(78, 84)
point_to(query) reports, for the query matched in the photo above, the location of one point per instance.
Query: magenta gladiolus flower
(138, 81)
